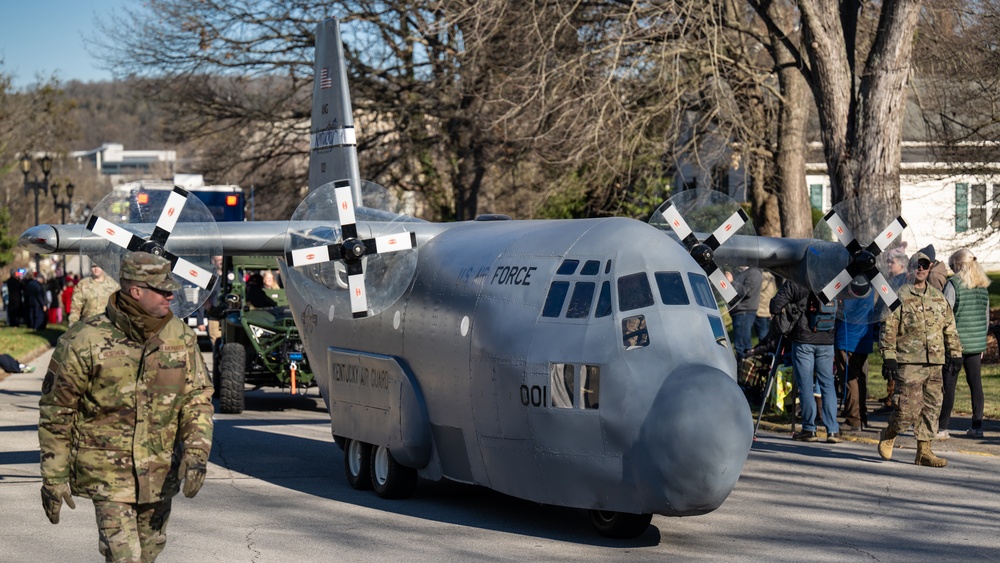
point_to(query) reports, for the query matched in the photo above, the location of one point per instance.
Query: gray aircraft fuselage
(465, 376)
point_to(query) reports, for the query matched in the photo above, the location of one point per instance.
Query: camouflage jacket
(90, 298)
(116, 413)
(921, 330)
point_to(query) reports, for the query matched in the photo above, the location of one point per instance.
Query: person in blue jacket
(854, 337)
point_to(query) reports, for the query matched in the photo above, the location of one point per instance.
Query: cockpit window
(634, 333)
(634, 292)
(702, 290)
(671, 286)
(583, 297)
(555, 299)
(590, 268)
(604, 301)
(567, 267)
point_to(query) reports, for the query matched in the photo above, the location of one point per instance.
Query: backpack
(821, 318)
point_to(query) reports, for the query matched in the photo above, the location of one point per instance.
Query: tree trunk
(790, 160)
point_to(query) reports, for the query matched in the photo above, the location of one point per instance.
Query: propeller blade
(843, 233)
(169, 215)
(313, 255)
(114, 234)
(727, 229)
(345, 207)
(885, 291)
(359, 298)
(390, 243)
(887, 236)
(833, 289)
(723, 286)
(191, 271)
(679, 225)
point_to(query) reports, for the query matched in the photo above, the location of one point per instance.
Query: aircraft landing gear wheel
(232, 378)
(619, 525)
(358, 464)
(389, 478)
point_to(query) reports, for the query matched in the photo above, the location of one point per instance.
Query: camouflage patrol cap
(153, 270)
(917, 257)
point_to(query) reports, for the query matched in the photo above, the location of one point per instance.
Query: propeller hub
(352, 249)
(702, 254)
(153, 248)
(864, 261)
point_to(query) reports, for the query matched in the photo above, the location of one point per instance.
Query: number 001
(536, 395)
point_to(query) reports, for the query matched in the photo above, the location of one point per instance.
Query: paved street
(276, 493)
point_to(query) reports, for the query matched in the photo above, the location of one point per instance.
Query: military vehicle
(580, 363)
(260, 344)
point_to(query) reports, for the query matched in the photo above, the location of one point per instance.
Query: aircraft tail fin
(333, 151)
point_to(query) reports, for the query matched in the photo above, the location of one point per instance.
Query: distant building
(111, 159)
(949, 197)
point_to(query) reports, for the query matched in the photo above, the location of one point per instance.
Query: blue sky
(46, 36)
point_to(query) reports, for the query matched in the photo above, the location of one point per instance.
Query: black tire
(619, 525)
(232, 378)
(390, 479)
(357, 464)
(217, 368)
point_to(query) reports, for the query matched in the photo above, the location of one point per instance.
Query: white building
(949, 205)
(111, 159)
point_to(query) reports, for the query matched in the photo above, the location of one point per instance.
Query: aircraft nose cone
(697, 443)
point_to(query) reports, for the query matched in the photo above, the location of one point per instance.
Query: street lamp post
(63, 206)
(34, 185)
(67, 204)
(86, 219)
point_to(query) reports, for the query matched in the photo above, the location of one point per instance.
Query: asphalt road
(276, 492)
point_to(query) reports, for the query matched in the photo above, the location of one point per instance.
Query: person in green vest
(970, 300)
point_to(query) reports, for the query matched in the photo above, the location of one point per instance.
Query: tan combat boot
(885, 441)
(926, 457)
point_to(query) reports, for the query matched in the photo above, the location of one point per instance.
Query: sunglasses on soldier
(923, 265)
(162, 292)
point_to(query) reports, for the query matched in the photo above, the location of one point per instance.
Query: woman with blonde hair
(967, 294)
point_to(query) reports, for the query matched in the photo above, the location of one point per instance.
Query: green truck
(260, 344)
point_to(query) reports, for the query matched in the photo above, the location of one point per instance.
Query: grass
(26, 344)
(963, 396)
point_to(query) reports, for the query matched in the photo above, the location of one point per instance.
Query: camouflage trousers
(130, 532)
(917, 400)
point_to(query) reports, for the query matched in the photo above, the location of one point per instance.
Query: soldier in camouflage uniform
(91, 295)
(126, 414)
(915, 341)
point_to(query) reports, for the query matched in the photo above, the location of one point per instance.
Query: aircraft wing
(252, 238)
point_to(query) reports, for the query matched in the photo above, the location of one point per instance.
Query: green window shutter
(816, 196)
(961, 207)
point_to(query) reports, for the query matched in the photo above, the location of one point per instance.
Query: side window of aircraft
(702, 290)
(555, 299)
(604, 301)
(590, 268)
(567, 394)
(634, 333)
(567, 267)
(671, 286)
(562, 381)
(590, 386)
(634, 292)
(583, 297)
(719, 330)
